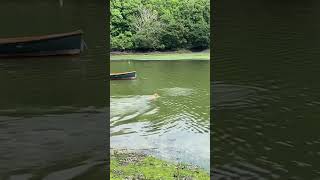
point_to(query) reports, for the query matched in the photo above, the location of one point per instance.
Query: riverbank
(131, 165)
(174, 55)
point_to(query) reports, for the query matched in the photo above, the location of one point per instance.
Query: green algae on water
(162, 56)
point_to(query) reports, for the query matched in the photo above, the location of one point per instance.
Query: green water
(174, 126)
(52, 109)
(266, 90)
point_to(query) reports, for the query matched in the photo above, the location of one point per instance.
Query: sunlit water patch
(177, 91)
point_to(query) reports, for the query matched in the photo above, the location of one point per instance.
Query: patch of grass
(162, 56)
(134, 166)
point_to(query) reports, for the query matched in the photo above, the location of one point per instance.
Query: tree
(160, 24)
(148, 30)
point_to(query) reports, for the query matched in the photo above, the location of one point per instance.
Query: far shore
(157, 55)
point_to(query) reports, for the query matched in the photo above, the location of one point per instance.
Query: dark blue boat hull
(123, 76)
(64, 45)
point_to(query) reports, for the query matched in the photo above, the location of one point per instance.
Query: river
(53, 109)
(174, 126)
(265, 90)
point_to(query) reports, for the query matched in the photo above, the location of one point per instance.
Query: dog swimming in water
(154, 96)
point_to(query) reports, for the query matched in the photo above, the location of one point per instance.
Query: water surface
(265, 90)
(52, 109)
(173, 127)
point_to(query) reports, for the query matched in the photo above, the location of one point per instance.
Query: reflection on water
(38, 111)
(265, 90)
(50, 143)
(162, 108)
(235, 96)
(52, 109)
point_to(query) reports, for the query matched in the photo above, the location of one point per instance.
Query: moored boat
(123, 75)
(71, 43)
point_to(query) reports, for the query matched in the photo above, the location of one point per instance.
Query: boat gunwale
(38, 38)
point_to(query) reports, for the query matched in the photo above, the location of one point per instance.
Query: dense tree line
(146, 25)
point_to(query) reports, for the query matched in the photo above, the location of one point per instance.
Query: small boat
(123, 76)
(70, 43)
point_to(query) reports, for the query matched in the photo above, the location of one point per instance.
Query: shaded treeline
(146, 25)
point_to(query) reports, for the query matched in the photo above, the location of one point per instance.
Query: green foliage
(122, 41)
(146, 25)
(199, 36)
(173, 36)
